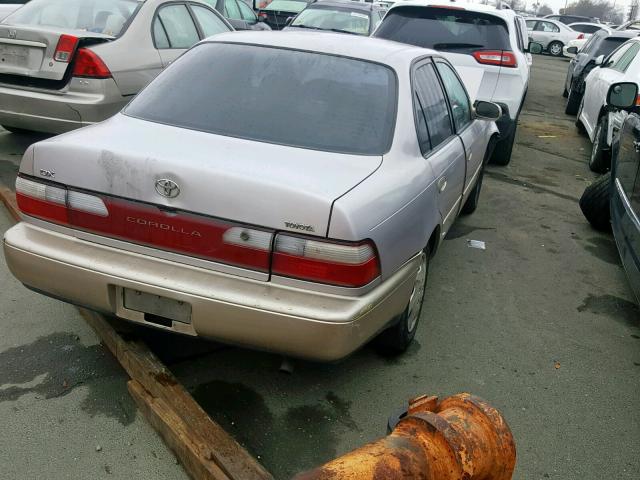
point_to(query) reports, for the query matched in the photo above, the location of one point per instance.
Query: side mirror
(572, 50)
(622, 95)
(487, 110)
(535, 47)
(289, 20)
(599, 60)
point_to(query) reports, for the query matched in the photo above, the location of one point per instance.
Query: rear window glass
(97, 16)
(333, 19)
(444, 29)
(289, 97)
(286, 6)
(608, 45)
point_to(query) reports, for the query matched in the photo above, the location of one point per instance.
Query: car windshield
(445, 29)
(608, 45)
(274, 95)
(97, 16)
(286, 6)
(333, 19)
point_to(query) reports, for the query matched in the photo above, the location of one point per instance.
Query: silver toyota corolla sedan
(65, 64)
(281, 191)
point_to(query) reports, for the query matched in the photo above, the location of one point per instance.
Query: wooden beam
(194, 456)
(8, 197)
(144, 367)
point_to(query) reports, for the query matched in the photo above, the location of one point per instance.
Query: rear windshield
(340, 19)
(273, 95)
(444, 29)
(286, 6)
(608, 45)
(97, 16)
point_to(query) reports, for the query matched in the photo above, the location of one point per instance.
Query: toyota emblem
(167, 188)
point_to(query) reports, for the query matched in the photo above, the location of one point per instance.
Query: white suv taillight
(499, 58)
(335, 263)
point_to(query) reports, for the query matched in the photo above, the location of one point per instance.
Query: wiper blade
(305, 26)
(342, 31)
(438, 46)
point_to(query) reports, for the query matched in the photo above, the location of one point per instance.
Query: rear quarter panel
(396, 206)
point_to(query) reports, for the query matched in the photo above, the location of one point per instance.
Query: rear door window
(546, 27)
(433, 104)
(618, 54)
(323, 102)
(247, 13)
(179, 26)
(445, 29)
(608, 45)
(623, 62)
(210, 23)
(231, 10)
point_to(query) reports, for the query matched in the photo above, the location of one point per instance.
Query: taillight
(66, 47)
(580, 37)
(335, 263)
(89, 65)
(262, 15)
(501, 58)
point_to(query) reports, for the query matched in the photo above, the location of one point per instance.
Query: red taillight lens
(262, 15)
(64, 50)
(581, 36)
(501, 58)
(88, 64)
(344, 264)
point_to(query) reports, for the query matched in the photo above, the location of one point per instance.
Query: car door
(625, 199)
(471, 132)
(439, 144)
(597, 85)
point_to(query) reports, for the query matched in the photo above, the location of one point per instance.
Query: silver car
(65, 64)
(281, 191)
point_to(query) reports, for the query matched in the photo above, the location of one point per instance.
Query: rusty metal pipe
(459, 438)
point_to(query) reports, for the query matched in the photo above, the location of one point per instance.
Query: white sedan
(622, 65)
(551, 34)
(586, 30)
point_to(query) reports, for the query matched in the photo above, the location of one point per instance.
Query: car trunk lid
(30, 52)
(271, 186)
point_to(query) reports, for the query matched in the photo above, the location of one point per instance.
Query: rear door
(545, 33)
(470, 132)
(439, 144)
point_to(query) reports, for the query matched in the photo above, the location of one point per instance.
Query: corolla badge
(167, 188)
(12, 34)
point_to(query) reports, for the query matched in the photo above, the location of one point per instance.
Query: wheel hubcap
(555, 49)
(417, 294)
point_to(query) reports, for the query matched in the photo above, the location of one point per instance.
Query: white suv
(487, 46)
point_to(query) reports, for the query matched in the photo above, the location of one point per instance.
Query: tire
(472, 201)
(397, 338)
(600, 159)
(502, 152)
(20, 131)
(594, 203)
(573, 100)
(555, 49)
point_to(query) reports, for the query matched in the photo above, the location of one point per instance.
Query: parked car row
(279, 190)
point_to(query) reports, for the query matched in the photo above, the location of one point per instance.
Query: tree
(514, 4)
(544, 10)
(593, 8)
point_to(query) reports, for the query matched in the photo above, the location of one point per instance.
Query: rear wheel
(397, 338)
(573, 100)
(600, 159)
(555, 49)
(594, 203)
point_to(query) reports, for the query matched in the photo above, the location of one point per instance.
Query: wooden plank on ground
(176, 434)
(8, 197)
(144, 367)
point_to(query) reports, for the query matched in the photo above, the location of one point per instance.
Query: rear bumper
(84, 102)
(263, 315)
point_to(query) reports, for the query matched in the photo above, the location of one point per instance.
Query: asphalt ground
(541, 323)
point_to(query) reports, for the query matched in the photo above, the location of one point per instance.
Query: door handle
(442, 184)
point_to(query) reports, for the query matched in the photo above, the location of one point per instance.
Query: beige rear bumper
(232, 309)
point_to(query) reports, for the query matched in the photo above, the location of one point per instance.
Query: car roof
(350, 4)
(504, 13)
(394, 54)
(625, 33)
